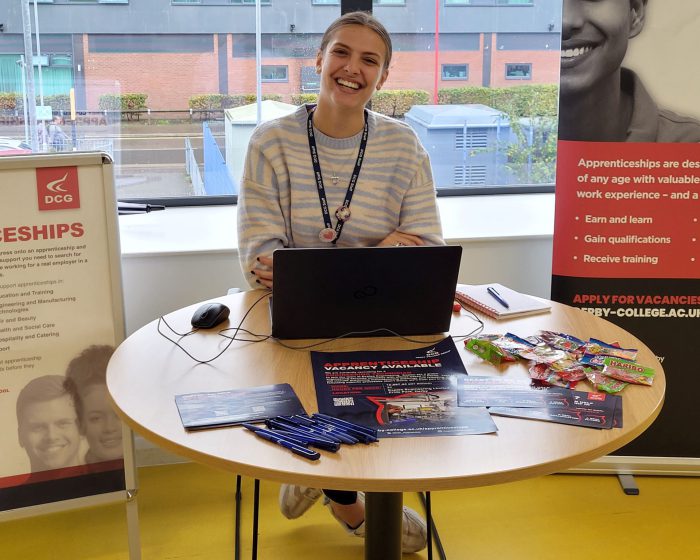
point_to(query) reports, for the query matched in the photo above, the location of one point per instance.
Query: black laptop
(366, 291)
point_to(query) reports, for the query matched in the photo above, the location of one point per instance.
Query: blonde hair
(364, 19)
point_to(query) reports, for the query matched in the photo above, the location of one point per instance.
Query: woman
(337, 174)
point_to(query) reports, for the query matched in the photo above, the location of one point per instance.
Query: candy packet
(628, 371)
(512, 345)
(594, 346)
(562, 341)
(484, 347)
(602, 382)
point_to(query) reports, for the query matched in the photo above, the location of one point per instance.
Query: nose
(112, 423)
(352, 65)
(572, 17)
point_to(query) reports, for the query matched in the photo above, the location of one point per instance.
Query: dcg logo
(57, 188)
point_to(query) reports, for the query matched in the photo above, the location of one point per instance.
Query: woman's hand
(264, 275)
(398, 238)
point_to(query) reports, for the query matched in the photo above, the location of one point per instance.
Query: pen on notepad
(497, 296)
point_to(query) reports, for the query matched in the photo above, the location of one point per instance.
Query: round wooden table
(147, 371)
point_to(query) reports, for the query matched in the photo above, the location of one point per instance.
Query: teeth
(573, 53)
(348, 84)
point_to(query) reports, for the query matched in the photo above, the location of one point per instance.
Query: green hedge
(123, 101)
(216, 101)
(303, 98)
(396, 103)
(8, 101)
(523, 101)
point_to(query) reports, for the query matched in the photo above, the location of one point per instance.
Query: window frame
(521, 78)
(274, 80)
(454, 78)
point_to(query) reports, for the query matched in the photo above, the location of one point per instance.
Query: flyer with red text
(400, 393)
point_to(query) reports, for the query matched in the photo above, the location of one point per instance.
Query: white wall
(181, 256)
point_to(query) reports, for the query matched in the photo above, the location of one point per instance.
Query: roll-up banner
(628, 190)
(61, 316)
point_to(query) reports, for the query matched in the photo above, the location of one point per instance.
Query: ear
(380, 83)
(319, 61)
(638, 15)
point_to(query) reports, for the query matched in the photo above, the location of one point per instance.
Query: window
(455, 72)
(274, 73)
(518, 71)
(184, 75)
(310, 80)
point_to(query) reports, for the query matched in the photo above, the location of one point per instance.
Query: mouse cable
(237, 329)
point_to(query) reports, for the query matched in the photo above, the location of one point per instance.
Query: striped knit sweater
(279, 206)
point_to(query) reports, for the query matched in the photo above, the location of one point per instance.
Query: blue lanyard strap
(319, 177)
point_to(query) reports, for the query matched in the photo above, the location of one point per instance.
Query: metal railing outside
(192, 169)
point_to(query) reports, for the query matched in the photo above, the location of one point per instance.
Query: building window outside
(275, 73)
(455, 72)
(518, 71)
(195, 76)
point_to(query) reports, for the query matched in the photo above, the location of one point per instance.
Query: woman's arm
(261, 223)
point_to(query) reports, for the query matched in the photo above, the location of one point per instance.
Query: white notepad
(519, 304)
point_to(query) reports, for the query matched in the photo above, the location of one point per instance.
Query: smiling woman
(285, 200)
(387, 198)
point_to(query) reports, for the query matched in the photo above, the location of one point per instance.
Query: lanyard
(330, 234)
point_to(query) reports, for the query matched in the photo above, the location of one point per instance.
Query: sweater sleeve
(419, 212)
(261, 224)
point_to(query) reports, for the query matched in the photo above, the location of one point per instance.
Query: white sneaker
(414, 531)
(296, 500)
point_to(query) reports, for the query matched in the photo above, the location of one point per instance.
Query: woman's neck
(338, 123)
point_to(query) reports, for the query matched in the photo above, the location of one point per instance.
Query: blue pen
(357, 435)
(285, 442)
(359, 432)
(495, 295)
(313, 439)
(341, 433)
(315, 431)
(299, 419)
(328, 430)
(340, 421)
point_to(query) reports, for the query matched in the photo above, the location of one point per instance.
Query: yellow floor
(186, 512)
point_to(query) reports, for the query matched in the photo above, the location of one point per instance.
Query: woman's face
(351, 67)
(594, 40)
(101, 426)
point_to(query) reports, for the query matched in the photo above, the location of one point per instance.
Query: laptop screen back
(364, 291)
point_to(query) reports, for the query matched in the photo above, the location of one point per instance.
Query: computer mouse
(209, 315)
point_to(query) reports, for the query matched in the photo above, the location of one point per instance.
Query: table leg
(383, 516)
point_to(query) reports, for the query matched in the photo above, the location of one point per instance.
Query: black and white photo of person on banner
(600, 99)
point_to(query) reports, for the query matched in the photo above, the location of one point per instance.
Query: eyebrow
(371, 53)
